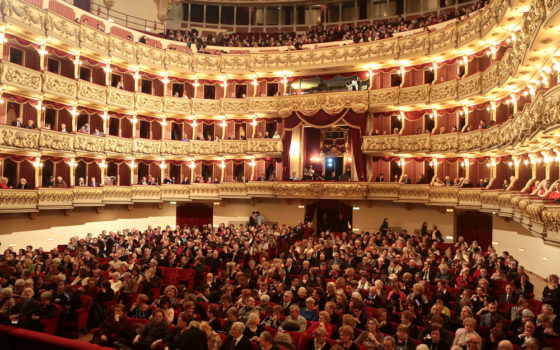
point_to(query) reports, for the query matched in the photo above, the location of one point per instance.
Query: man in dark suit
(193, 338)
(18, 122)
(509, 297)
(93, 182)
(25, 308)
(236, 340)
(428, 272)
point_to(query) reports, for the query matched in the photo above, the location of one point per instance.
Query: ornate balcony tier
(542, 217)
(532, 129)
(25, 140)
(487, 24)
(23, 81)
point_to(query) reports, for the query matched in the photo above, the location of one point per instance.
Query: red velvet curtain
(286, 154)
(381, 124)
(62, 169)
(380, 166)
(414, 169)
(414, 77)
(478, 170)
(357, 155)
(447, 121)
(124, 175)
(447, 72)
(447, 168)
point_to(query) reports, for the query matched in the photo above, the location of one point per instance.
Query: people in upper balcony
(447, 181)
(466, 183)
(84, 129)
(81, 182)
(438, 183)
(308, 173)
(405, 180)
(453, 128)
(143, 181)
(60, 183)
(466, 128)
(396, 131)
(186, 181)
(276, 135)
(505, 185)
(30, 124)
(380, 178)
(554, 192)
(143, 39)
(18, 122)
(93, 182)
(3, 183)
(168, 180)
(63, 127)
(23, 185)
(97, 132)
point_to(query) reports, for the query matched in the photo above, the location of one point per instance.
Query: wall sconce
(134, 120)
(192, 165)
(315, 159)
(132, 165)
(38, 163)
(196, 84)
(222, 164)
(194, 124)
(107, 68)
(253, 163)
(105, 116)
(103, 165)
(73, 163)
(162, 165)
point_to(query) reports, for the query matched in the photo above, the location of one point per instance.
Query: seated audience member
(23, 310)
(23, 185)
(113, 331)
(153, 333)
(237, 340)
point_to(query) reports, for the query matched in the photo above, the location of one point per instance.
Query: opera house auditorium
(280, 175)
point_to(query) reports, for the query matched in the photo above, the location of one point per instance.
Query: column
(493, 111)
(106, 121)
(72, 172)
(162, 167)
(77, 67)
(136, 81)
(42, 52)
(135, 127)
(103, 168)
(107, 69)
(133, 173)
(40, 115)
(38, 165)
(74, 115)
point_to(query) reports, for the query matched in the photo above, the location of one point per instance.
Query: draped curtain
(414, 77)
(381, 124)
(447, 168)
(446, 120)
(322, 119)
(414, 169)
(478, 170)
(447, 72)
(22, 168)
(380, 166)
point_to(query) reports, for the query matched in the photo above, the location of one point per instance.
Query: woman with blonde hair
(253, 328)
(213, 338)
(463, 334)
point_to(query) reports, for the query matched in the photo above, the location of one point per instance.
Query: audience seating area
(284, 281)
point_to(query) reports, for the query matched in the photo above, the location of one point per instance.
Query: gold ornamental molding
(534, 128)
(20, 140)
(542, 217)
(23, 18)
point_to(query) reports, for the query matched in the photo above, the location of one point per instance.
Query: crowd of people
(281, 287)
(358, 33)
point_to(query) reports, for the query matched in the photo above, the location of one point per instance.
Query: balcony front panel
(88, 196)
(120, 98)
(123, 49)
(24, 15)
(21, 77)
(94, 40)
(89, 143)
(118, 145)
(56, 141)
(149, 103)
(147, 147)
(62, 29)
(59, 85)
(202, 106)
(19, 138)
(92, 92)
(469, 86)
(18, 200)
(414, 94)
(177, 105)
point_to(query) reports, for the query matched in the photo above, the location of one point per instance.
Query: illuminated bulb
(510, 163)
(194, 124)
(488, 165)
(526, 162)
(192, 165)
